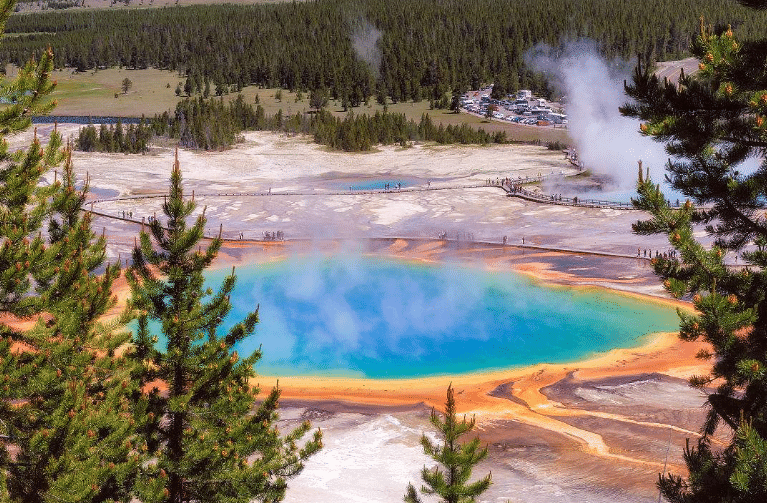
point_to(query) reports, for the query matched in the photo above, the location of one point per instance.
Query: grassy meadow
(152, 91)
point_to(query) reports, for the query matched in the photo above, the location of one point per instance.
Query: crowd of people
(647, 253)
(273, 236)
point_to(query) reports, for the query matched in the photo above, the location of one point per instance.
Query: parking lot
(521, 108)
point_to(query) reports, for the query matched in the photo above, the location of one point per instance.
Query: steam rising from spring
(365, 42)
(355, 315)
(607, 142)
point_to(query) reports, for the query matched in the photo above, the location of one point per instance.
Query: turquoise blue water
(376, 185)
(353, 316)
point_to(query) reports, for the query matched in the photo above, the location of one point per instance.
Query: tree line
(48, 4)
(362, 132)
(114, 138)
(358, 49)
(213, 124)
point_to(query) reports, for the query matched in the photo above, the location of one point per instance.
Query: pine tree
(209, 444)
(318, 99)
(451, 483)
(712, 121)
(64, 418)
(74, 430)
(455, 102)
(118, 137)
(188, 88)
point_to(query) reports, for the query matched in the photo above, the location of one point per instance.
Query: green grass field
(93, 93)
(153, 91)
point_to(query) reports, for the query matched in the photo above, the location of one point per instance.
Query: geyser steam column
(607, 142)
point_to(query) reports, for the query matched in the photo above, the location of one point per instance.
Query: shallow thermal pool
(378, 318)
(368, 185)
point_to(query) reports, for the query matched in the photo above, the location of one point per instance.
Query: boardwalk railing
(566, 201)
(269, 193)
(511, 191)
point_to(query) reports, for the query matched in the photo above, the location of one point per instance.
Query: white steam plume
(607, 142)
(365, 42)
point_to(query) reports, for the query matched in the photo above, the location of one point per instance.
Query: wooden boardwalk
(538, 197)
(509, 189)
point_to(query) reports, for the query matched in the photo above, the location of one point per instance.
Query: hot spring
(377, 318)
(361, 184)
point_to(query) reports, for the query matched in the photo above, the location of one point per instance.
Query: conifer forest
(406, 50)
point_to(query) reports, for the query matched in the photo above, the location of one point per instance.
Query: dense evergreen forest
(115, 138)
(48, 4)
(403, 49)
(212, 124)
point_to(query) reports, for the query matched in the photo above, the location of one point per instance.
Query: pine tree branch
(741, 141)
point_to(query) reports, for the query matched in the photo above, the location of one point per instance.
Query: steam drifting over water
(378, 318)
